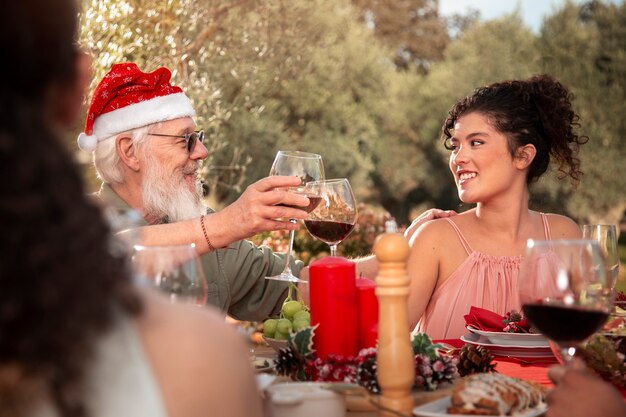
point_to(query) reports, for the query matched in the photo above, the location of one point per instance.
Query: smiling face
(480, 160)
(170, 184)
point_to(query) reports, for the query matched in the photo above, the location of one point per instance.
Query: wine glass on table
(175, 270)
(309, 167)
(335, 216)
(564, 290)
(606, 235)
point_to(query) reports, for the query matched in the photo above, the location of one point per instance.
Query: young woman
(501, 139)
(77, 338)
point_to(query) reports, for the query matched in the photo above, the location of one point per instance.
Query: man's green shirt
(235, 275)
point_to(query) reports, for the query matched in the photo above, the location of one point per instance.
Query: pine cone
(366, 375)
(287, 363)
(475, 359)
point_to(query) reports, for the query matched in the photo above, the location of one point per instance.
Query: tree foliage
(326, 76)
(585, 47)
(414, 30)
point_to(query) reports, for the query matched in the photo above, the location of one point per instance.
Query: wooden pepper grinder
(396, 366)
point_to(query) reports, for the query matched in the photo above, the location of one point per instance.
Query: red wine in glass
(335, 215)
(564, 290)
(328, 231)
(563, 324)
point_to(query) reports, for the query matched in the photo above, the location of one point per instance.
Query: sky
(533, 11)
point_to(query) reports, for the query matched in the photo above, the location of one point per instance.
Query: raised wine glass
(335, 216)
(564, 290)
(309, 167)
(606, 235)
(175, 270)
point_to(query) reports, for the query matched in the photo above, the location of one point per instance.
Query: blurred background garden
(367, 84)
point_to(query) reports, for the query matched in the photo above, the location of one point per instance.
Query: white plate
(439, 408)
(514, 339)
(539, 351)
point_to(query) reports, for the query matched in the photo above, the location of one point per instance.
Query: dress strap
(546, 226)
(466, 245)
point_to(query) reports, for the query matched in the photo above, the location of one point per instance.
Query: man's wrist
(205, 234)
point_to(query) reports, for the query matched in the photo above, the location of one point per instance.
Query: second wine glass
(309, 167)
(564, 290)
(175, 270)
(335, 216)
(606, 235)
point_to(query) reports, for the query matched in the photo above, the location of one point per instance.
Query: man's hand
(264, 206)
(424, 217)
(578, 392)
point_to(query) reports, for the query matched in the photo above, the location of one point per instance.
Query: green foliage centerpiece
(299, 362)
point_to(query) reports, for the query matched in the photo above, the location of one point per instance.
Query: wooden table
(532, 369)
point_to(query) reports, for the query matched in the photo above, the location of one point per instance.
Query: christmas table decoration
(300, 362)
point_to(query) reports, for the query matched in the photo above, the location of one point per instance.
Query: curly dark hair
(61, 286)
(536, 111)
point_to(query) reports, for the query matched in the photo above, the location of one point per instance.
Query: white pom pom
(87, 142)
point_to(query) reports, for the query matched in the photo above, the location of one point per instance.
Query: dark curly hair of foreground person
(536, 111)
(60, 285)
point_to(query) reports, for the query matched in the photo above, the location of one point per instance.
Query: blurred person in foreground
(78, 338)
(147, 151)
(501, 139)
(581, 393)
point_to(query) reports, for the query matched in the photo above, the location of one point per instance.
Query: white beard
(167, 194)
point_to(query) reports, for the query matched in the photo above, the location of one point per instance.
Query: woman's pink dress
(482, 280)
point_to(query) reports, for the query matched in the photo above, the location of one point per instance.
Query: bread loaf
(493, 394)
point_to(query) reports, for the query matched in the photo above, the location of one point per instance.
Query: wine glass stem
(333, 250)
(292, 236)
(567, 353)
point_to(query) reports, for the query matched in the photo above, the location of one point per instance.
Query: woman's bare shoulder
(203, 329)
(435, 235)
(441, 228)
(562, 227)
(192, 348)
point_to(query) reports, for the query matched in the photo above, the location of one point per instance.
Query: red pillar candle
(368, 313)
(334, 306)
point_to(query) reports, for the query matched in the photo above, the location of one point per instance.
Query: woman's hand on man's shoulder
(425, 217)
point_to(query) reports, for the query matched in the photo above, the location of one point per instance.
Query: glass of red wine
(335, 216)
(309, 167)
(565, 291)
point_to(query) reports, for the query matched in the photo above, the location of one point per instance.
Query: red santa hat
(128, 98)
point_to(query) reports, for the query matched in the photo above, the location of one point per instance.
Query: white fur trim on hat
(87, 142)
(158, 109)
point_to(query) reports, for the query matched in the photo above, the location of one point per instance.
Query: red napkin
(484, 320)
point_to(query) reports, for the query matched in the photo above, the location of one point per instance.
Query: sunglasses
(191, 138)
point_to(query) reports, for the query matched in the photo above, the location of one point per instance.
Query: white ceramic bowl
(304, 399)
(275, 344)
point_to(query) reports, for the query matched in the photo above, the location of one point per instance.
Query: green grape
(302, 314)
(269, 327)
(283, 326)
(300, 324)
(281, 336)
(290, 308)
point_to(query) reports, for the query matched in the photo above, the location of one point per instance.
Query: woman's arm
(423, 268)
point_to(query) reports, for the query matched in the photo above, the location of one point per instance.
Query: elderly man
(147, 153)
